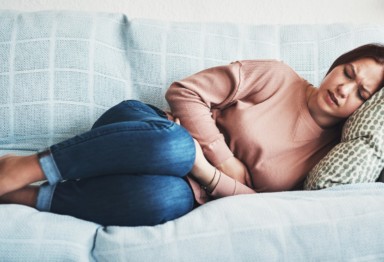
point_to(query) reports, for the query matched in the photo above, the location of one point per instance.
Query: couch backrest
(59, 70)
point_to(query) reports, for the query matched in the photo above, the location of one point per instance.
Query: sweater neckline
(306, 127)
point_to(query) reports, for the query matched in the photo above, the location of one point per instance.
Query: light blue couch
(60, 70)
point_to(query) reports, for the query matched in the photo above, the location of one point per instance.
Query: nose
(345, 89)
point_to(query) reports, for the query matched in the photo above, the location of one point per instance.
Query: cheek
(323, 84)
(351, 107)
(332, 79)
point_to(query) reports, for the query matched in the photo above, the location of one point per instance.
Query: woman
(257, 126)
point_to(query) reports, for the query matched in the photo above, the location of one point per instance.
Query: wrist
(204, 174)
(215, 181)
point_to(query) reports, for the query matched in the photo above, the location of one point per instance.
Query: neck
(323, 119)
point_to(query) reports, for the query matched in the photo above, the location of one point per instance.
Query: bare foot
(19, 171)
(25, 196)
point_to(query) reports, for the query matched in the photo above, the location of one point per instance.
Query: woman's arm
(193, 100)
(197, 98)
(215, 181)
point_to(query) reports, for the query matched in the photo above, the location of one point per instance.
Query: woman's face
(348, 86)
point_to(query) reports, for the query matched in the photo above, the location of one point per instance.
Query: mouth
(333, 98)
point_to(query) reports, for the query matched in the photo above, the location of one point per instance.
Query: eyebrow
(354, 75)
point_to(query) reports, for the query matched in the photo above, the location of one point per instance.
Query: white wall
(239, 11)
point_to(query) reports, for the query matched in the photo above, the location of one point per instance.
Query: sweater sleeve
(193, 100)
(196, 98)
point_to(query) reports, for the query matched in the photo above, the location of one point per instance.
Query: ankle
(36, 172)
(25, 196)
(19, 171)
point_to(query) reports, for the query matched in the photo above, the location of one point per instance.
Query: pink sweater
(257, 111)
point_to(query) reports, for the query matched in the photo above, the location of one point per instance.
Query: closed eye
(347, 74)
(363, 94)
(350, 73)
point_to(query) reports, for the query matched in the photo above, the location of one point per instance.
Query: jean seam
(45, 197)
(138, 109)
(115, 131)
(51, 197)
(47, 163)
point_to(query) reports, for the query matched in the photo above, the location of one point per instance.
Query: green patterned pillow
(359, 157)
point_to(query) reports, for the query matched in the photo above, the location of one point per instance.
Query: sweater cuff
(217, 152)
(228, 186)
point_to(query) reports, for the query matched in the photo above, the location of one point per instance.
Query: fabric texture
(60, 70)
(83, 63)
(229, 108)
(29, 235)
(128, 170)
(327, 225)
(359, 157)
(338, 224)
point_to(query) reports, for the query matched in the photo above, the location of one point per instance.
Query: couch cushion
(334, 224)
(29, 235)
(59, 71)
(359, 157)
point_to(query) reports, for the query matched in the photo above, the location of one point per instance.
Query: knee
(180, 148)
(176, 200)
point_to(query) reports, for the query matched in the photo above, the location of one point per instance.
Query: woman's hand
(202, 170)
(234, 168)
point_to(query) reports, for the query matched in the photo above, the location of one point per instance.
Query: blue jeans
(128, 170)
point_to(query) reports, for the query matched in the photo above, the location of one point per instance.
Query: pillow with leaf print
(359, 157)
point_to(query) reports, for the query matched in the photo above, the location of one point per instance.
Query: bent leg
(132, 147)
(128, 110)
(123, 200)
(131, 137)
(149, 144)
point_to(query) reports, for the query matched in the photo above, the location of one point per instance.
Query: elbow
(170, 93)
